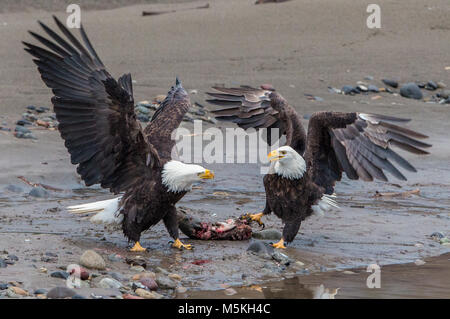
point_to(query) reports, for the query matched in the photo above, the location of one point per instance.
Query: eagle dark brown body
(98, 123)
(358, 144)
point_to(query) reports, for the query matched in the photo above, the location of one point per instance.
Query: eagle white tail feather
(326, 203)
(107, 211)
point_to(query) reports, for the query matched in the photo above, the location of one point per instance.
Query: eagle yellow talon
(280, 244)
(178, 244)
(138, 248)
(256, 217)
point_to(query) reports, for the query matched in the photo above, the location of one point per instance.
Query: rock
(373, 88)
(60, 274)
(444, 240)
(114, 257)
(412, 91)
(147, 294)
(136, 261)
(161, 271)
(23, 122)
(40, 291)
(149, 283)
(165, 282)
(431, 86)
(142, 110)
(268, 234)
(90, 259)
(230, 291)
(3, 286)
(50, 254)
(391, 83)
(38, 192)
(437, 235)
(116, 276)
(419, 262)
(349, 90)
(18, 291)
(13, 257)
(441, 85)
(78, 297)
(137, 268)
(143, 118)
(146, 274)
(60, 293)
(444, 94)
(281, 258)
(260, 248)
(110, 283)
(3, 263)
(362, 88)
(181, 290)
(175, 277)
(21, 129)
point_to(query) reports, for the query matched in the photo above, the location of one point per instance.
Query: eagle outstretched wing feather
(95, 112)
(358, 144)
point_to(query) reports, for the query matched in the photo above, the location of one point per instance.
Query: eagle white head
(288, 163)
(179, 177)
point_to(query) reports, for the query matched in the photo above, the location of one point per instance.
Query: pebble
(411, 90)
(60, 274)
(60, 293)
(3, 264)
(270, 234)
(260, 248)
(349, 90)
(114, 257)
(18, 291)
(150, 283)
(181, 290)
(40, 292)
(230, 292)
(137, 268)
(419, 262)
(444, 241)
(13, 257)
(165, 282)
(38, 192)
(110, 283)
(161, 270)
(175, 277)
(116, 276)
(281, 258)
(147, 294)
(431, 85)
(437, 235)
(90, 259)
(441, 85)
(146, 274)
(3, 286)
(391, 83)
(373, 88)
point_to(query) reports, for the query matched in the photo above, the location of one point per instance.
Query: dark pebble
(42, 109)
(61, 292)
(373, 88)
(78, 297)
(50, 254)
(31, 107)
(349, 90)
(391, 83)
(431, 85)
(20, 128)
(149, 283)
(438, 235)
(411, 91)
(3, 264)
(60, 274)
(13, 257)
(3, 286)
(260, 248)
(38, 192)
(40, 292)
(23, 122)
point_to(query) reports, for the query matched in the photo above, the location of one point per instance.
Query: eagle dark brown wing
(358, 144)
(166, 120)
(249, 107)
(95, 112)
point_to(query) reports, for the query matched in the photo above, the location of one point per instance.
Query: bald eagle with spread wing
(98, 124)
(303, 173)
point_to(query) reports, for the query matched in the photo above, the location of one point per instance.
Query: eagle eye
(283, 152)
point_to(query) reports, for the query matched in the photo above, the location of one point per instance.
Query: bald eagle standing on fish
(98, 123)
(303, 173)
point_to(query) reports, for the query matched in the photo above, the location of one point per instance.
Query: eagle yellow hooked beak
(274, 156)
(207, 174)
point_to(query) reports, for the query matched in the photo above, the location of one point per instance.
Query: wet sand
(301, 47)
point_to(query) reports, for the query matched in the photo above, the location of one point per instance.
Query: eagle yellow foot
(138, 248)
(257, 218)
(178, 244)
(280, 244)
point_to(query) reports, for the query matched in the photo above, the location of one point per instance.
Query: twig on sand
(398, 194)
(154, 13)
(50, 188)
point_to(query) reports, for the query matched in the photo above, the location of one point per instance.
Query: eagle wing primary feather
(358, 144)
(249, 107)
(95, 112)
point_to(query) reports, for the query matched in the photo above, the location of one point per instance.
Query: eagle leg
(280, 244)
(178, 244)
(138, 248)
